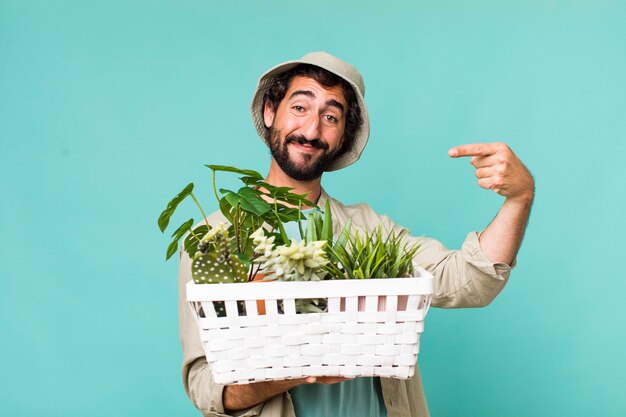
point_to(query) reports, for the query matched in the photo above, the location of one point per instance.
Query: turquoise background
(107, 109)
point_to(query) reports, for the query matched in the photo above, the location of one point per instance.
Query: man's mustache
(301, 140)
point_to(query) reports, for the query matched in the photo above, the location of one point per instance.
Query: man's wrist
(523, 200)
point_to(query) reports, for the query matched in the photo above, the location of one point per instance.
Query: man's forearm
(501, 240)
(240, 397)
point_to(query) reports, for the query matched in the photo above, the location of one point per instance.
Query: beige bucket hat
(337, 67)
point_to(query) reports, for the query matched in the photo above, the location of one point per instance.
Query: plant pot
(260, 304)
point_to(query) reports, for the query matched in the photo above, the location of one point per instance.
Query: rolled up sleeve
(462, 278)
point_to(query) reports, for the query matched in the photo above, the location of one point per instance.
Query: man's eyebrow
(307, 93)
(335, 103)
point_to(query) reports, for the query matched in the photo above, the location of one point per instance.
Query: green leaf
(182, 229)
(250, 192)
(246, 172)
(327, 228)
(273, 190)
(311, 228)
(232, 197)
(171, 249)
(164, 218)
(287, 214)
(226, 191)
(191, 241)
(226, 208)
(344, 236)
(284, 238)
(251, 181)
(296, 200)
(379, 266)
(284, 194)
(244, 258)
(251, 201)
(318, 219)
(199, 231)
(248, 222)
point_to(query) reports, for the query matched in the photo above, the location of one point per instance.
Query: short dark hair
(277, 90)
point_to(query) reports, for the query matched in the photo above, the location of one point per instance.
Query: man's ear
(268, 114)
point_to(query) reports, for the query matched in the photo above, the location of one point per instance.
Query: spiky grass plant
(372, 254)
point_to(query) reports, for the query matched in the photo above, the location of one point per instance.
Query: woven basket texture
(370, 328)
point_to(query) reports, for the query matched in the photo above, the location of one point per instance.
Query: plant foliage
(255, 238)
(255, 204)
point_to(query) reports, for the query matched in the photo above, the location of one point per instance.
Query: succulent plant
(218, 265)
(298, 261)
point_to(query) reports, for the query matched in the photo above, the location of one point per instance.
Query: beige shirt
(464, 278)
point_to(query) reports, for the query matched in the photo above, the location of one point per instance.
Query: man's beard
(307, 171)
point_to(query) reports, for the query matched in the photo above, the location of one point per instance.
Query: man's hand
(239, 397)
(498, 169)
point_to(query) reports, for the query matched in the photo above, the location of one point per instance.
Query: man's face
(306, 130)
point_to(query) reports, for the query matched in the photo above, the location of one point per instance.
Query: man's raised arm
(500, 170)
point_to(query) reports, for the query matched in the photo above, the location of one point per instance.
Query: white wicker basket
(377, 337)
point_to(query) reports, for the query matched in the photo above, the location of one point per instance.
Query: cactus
(209, 269)
(218, 266)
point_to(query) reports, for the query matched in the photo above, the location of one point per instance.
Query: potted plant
(315, 274)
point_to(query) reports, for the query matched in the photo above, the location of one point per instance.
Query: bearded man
(312, 114)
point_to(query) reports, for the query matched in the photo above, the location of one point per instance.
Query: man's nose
(311, 127)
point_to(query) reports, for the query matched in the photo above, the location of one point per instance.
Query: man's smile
(305, 147)
(302, 144)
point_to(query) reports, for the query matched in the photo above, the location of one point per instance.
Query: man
(312, 115)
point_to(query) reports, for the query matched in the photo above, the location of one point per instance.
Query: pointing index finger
(476, 149)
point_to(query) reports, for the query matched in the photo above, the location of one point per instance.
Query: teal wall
(108, 108)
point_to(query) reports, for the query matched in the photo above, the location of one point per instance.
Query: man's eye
(331, 118)
(298, 108)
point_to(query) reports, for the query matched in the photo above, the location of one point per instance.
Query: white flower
(296, 262)
(263, 244)
(258, 236)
